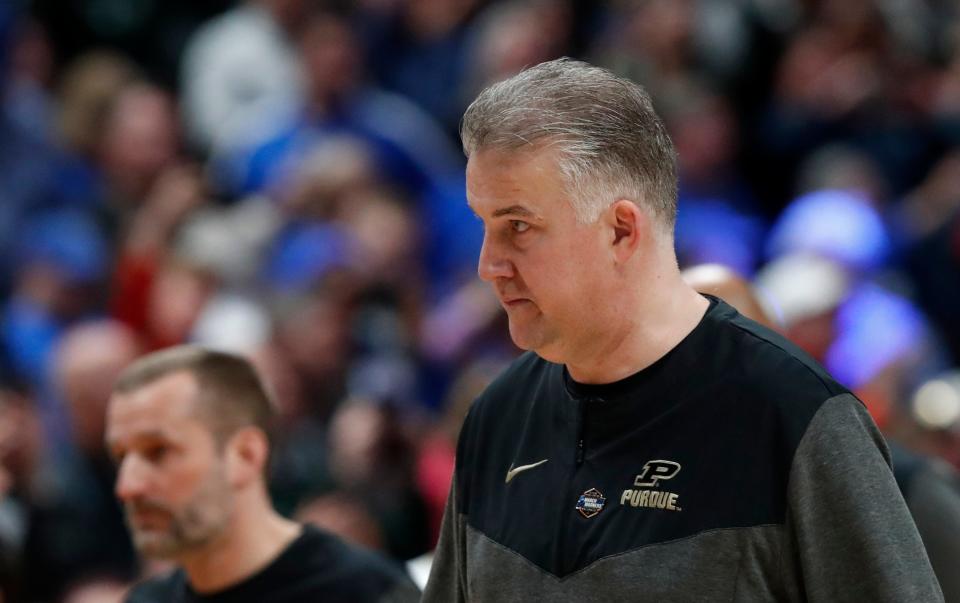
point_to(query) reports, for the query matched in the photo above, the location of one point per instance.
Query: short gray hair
(611, 142)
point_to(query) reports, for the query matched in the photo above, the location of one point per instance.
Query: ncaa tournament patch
(590, 503)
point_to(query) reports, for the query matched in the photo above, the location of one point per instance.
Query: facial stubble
(195, 524)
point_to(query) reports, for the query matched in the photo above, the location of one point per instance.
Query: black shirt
(317, 566)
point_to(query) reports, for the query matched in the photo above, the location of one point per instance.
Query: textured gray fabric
(448, 573)
(847, 537)
(851, 537)
(720, 565)
(934, 501)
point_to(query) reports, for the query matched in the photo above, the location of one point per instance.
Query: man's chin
(156, 545)
(529, 338)
(521, 337)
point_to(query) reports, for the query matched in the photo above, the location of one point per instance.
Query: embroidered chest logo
(652, 474)
(590, 503)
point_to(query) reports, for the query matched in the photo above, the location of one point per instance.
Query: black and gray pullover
(732, 469)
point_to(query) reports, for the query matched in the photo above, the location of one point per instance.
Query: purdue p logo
(650, 477)
(654, 471)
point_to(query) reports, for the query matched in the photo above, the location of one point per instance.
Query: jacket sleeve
(447, 582)
(849, 534)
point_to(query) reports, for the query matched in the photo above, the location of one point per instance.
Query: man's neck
(650, 324)
(244, 549)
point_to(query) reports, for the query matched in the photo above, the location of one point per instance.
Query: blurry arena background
(283, 179)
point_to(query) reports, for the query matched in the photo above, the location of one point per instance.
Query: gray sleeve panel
(934, 501)
(850, 535)
(447, 580)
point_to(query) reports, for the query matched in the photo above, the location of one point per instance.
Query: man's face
(547, 269)
(170, 477)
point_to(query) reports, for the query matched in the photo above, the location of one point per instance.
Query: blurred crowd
(283, 179)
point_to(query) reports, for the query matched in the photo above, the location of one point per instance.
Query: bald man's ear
(629, 224)
(247, 454)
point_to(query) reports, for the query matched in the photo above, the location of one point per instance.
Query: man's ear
(629, 225)
(247, 453)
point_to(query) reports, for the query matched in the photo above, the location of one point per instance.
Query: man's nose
(131, 479)
(493, 263)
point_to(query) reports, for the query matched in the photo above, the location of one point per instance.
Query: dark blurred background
(283, 179)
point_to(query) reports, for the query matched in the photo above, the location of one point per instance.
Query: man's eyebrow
(514, 210)
(152, 434)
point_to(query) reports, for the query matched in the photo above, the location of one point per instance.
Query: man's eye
(519, 226)
(155, 454)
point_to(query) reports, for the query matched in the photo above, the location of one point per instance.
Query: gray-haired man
(653, 444)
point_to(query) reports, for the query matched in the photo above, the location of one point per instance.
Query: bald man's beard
(192, 526)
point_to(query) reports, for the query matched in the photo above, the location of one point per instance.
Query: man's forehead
(170, 396)
(511, 183)
(530, 157)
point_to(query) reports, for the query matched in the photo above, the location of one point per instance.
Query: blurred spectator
(76, 527)
(344, 516)
(138, 143)
(148, 269)
(930, 422)
(98, 591)
(435, 458)
(844, 226)
(240, 72)
(31, 73)
(718, 220)
(62, 264)
(152, 34)
(29, 164)
(313, 332)
(502, 46)
(844, 168)
(931, 489)
(88, 87)
(932, 204)
(845, 77)
(805, 291)
(334, 169)
(934, 263)
(20, 452)
(720, 281)
(299, 462)
(372, 459)
(408, 147)
(178, 295)
(666, 45)
(229, 241)
(874, 341)
(419, 49)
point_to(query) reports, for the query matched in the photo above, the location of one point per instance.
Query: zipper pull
(580, 451)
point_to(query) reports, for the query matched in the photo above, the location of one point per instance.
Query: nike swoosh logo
(515, 470)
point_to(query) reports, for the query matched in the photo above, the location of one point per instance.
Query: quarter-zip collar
(611, 409)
